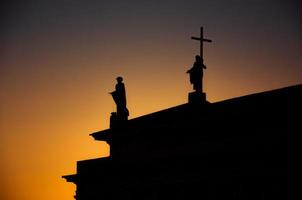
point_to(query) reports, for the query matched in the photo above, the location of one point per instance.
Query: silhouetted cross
(201, 39)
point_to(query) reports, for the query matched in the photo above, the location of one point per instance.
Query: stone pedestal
(117, 121)
(197, 98)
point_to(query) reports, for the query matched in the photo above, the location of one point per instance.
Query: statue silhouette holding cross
(196, 72)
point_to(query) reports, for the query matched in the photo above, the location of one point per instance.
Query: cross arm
(195, 38)
(205, 40)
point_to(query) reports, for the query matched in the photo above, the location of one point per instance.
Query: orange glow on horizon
(58, 120)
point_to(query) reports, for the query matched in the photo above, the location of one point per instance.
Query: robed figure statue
(196, 74)
(119, 97)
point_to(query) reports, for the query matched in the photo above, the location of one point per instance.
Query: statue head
(197, 58)
(119, 79)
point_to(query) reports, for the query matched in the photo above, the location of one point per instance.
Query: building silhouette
(241, 148)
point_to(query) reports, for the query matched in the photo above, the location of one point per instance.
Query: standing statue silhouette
(196, 74)
(119, 97)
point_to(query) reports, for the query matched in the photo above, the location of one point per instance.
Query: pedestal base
(117, 121)
(197, 98)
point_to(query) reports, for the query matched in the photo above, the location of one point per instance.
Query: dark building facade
(242, 148)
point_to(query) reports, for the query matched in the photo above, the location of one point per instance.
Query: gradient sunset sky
(59, 59)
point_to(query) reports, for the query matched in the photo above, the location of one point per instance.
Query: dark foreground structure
(241, 148)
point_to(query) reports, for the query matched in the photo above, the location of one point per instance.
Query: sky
(59, 61)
